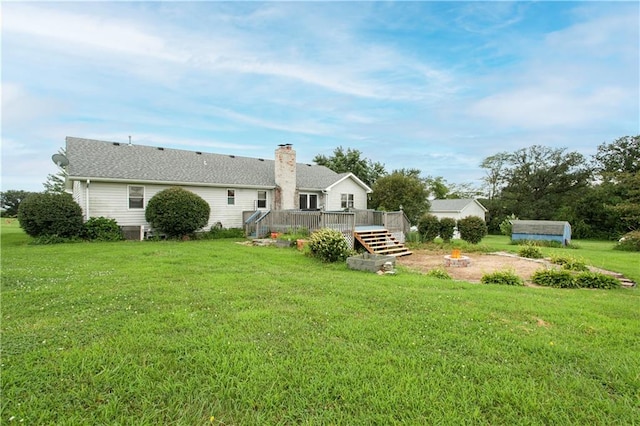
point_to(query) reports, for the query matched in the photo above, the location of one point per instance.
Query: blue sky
(437, 86)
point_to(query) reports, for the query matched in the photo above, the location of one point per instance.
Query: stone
(371, 262)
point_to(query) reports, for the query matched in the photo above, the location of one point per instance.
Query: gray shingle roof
(96, 159)
(453, 205)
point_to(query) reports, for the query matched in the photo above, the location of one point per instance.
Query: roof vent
(160, 148)
(116, 144)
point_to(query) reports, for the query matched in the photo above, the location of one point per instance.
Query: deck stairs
(381, 241)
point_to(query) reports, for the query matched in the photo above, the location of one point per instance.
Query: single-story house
(457, 208)
(117, 179)
(544, 230)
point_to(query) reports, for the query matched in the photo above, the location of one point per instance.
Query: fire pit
(456, 260)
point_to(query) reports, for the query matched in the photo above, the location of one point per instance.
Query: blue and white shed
(545, 230)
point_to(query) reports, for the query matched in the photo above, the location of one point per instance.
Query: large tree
(10, 201)
(401, 189)
(352, 161)
(536, 182)
(618, 167)
(619, 156)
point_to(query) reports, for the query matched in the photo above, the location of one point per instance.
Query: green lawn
(214, 332)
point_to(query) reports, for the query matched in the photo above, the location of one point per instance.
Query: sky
(434, 86)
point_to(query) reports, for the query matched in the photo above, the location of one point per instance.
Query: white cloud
(85, 31)
(584, 74)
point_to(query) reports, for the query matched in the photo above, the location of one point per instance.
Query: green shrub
(529, 251)
(438, 273)
(629, 242)
(413, 237)
(49, 214)
(429, 227)
(102, 229)
(329, 245)
(216, 233)
(177, 212)
(506, 226)
(540, 243)
(447, 228)
(569, 263)
(472, 229)
(54, 239)
(596, 280)
(554, 278)
(502, 277)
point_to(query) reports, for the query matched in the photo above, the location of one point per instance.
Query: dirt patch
(481, 264)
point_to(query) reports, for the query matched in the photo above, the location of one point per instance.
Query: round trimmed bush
(329, 245)
(50, 214)
(429, 227)
(177, 212)
(102, 229)
(447, 228)
(472, 229)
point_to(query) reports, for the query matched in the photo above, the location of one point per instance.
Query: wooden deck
(379, 232)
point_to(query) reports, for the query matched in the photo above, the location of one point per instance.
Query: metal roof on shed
(539, 227)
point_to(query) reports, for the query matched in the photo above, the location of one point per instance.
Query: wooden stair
(380, 241)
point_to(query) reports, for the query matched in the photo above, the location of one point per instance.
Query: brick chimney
(285, 168)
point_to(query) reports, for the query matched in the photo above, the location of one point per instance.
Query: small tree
(429, 227)
(401, 188)
(49, 214)
(447, 228)
(177, 212)
(472, 229)
(507, 225)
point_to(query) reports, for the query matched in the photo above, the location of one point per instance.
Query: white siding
(347, 186)
(473, 209)
(112, 200)
(453, 215)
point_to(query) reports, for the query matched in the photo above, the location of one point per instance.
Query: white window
(231, 197)
(308, 201)
(346, 201)
(262, 200)
(136, 197)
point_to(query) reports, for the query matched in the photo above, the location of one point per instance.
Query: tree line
(598, 196)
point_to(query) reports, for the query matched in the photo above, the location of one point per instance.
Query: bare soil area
(481, 264)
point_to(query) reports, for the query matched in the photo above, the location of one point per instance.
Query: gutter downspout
(87, 200)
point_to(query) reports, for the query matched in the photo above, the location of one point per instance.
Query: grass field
(214, 332)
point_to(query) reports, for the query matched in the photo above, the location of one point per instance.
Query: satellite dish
(60, 160)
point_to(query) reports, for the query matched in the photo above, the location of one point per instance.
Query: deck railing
(260, 225)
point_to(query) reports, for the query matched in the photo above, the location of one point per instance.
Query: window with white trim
(231, 197)
(308, 201)
(346, 201)
(262, 200)
(136, 197)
